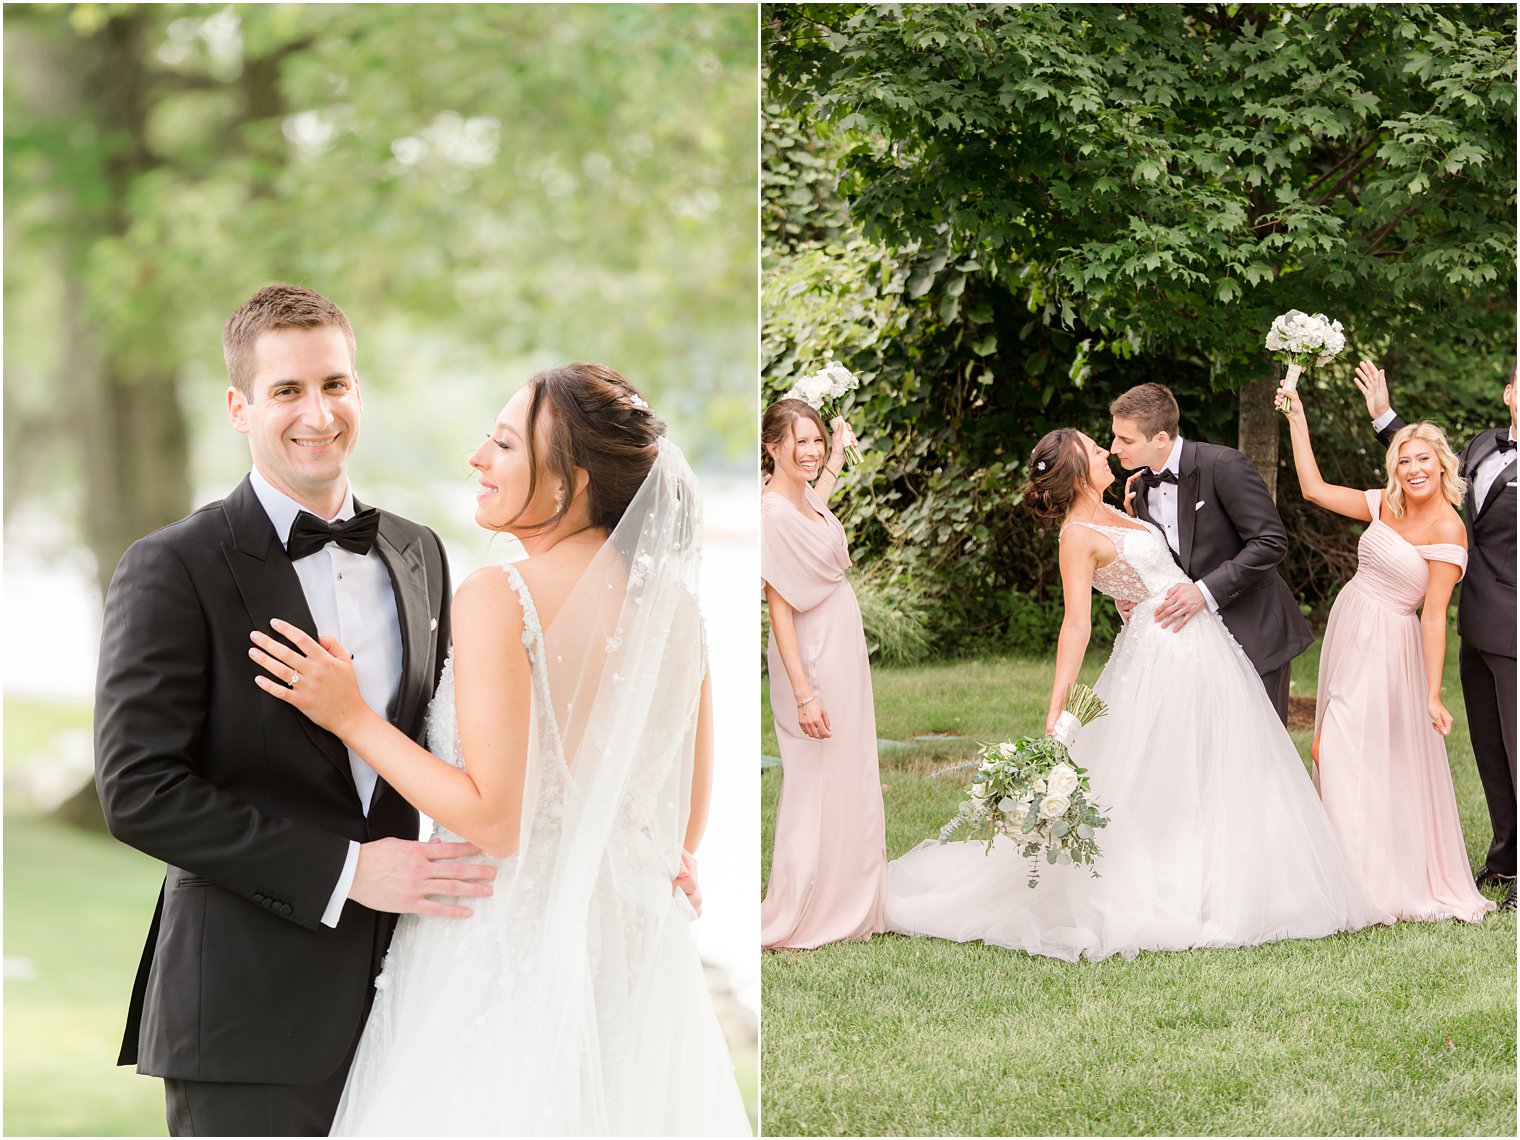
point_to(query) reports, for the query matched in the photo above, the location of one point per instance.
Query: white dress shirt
(351, 598)
(1488, 473)
(1162, 501)
(1483, 478)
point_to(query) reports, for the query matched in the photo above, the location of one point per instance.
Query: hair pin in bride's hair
(637, 401)
(1041, 465)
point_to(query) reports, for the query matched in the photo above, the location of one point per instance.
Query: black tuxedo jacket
(1232, 540)
(250, 804)
(1486, 602)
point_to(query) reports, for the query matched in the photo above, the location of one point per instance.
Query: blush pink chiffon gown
(829, 863)
(1383, 774)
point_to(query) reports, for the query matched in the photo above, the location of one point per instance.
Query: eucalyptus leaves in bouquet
(1031, 791)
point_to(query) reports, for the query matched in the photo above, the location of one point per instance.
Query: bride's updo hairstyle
(1057, 471)
(776, 427)
(598, 421)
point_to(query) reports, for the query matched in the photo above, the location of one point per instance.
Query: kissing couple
(262, 706)
(1217, 837)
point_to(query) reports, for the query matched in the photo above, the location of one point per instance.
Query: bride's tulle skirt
(457, 1041)
(1216, 838)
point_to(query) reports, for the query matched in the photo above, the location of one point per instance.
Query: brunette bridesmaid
(828, 864)
(1379, 724)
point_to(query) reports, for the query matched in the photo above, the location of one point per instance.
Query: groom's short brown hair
(1151, 406)
(275, 307)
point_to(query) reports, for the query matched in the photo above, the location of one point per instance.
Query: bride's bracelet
(804, 704)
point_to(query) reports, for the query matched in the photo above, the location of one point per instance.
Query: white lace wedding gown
(572, 1001)
(1216, 837)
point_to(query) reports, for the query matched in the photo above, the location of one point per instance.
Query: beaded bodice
(1144, 567)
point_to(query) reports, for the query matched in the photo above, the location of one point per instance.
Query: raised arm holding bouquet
(1304, 339)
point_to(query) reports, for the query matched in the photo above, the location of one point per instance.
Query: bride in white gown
(573, 744)
(1216, 835)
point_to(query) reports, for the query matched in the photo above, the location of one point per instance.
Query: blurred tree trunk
(132, 430)
(123, 356)
(1259, 425)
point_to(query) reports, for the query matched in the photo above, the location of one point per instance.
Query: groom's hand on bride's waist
(1179, 606)
(400, 875)
(686, 880)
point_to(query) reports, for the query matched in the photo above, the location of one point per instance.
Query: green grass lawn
(1408, 1030)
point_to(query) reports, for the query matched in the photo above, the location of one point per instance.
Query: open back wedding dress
(573, 1002)
(1216, 837)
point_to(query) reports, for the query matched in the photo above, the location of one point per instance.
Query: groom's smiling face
(301, 415)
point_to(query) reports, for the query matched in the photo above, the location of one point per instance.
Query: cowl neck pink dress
(829, 863)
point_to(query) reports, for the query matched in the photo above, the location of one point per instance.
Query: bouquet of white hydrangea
(1304, 339)
(1030, 791)
(823, 390)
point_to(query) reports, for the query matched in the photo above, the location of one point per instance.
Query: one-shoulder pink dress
(1382, 773)
(829, 862)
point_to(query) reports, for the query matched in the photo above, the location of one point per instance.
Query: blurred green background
(485, 189)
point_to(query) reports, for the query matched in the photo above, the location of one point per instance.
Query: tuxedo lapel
(1187, 496)
(1142, 502)
(402, 556)
(403, 559)
(1500, 481)
(270, 589)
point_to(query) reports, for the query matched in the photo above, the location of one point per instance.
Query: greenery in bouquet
(1031, 792)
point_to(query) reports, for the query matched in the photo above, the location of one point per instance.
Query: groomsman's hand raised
(1374, 388)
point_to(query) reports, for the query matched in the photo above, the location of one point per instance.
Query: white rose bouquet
(1030, 791)
(823, 390)
(1303, 339)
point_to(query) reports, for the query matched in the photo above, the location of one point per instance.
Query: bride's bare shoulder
(488, 592)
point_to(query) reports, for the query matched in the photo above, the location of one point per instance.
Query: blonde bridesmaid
(828, 864)
(1380, 722)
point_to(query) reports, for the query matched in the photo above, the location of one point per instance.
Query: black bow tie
(1155, 478)
(1506, 444)
(309, 534)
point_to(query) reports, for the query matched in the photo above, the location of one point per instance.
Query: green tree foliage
(1003, 215)
(484, 188)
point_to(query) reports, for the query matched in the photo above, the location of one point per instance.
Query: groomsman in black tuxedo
(1223, 529)
(1485, 613)
(288, 858)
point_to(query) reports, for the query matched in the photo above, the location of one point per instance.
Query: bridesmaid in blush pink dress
(1380, 757)
(828, 862)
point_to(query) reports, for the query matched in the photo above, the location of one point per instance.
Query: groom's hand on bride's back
(400, 875)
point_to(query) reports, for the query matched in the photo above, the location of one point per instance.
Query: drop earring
(559, 500)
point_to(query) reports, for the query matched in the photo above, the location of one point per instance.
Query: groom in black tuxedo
(1223, 530)
(287, 858)
(1485, 613)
